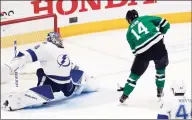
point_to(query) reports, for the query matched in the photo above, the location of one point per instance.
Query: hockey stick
(119, 88)
(15, 55)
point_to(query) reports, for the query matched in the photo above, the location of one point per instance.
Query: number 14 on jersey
(141, 29)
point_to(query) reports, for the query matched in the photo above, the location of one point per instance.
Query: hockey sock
(160, 78)
(130, 85)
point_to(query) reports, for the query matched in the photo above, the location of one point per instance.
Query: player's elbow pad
(161, 116)
(164, 29)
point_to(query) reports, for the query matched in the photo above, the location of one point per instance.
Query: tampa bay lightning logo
(63, 60)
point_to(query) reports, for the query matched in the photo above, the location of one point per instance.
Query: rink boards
(89, 27)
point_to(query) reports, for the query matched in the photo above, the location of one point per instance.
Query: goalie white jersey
(53, 60)
(179, 107)
(57, 74)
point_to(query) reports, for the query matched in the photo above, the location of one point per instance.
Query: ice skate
(123, 98)
(160, 93)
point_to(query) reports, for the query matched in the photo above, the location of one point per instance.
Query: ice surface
(107, 56)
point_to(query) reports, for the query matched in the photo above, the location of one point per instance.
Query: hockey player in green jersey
(145, 37)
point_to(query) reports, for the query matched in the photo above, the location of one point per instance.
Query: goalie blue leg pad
(68, 89)
(44, 91)
(44, 80)
(76, 76)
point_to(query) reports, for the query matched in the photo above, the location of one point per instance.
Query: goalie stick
(15, 55)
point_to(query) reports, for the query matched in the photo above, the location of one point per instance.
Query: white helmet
(178, 87)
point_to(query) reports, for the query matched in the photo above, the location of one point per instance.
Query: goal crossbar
(31, 19)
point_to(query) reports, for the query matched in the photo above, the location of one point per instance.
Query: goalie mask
(55, 38)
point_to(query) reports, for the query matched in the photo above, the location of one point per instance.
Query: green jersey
(146, 31)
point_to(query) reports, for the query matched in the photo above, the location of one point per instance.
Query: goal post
(27, 30)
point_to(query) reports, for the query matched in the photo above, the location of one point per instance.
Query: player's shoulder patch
(37, 46)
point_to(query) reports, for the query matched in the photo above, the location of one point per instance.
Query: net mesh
(26, 32)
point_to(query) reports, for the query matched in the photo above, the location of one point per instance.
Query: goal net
(26, 31)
